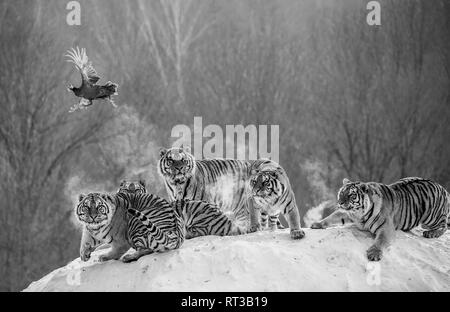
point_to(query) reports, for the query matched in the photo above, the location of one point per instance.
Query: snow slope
(325, 260)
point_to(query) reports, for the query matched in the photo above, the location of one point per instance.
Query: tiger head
(95, 209)
(176, 164)
(266, 186)
(351, 195)
(137, 188)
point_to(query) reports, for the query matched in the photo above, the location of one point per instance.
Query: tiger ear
(81, 197)
(254, 172)
(162, 152)
(365, 188)
(279, 171)
(346, 181)
(123, 183)
(142, 182)
(106, 197)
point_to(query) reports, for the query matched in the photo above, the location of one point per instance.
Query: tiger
(272, 192)
(132, 187)
(220, 181)
(200, 218)
(144, 222)
(382, 209)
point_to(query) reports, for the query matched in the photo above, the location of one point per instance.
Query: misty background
(369, 103)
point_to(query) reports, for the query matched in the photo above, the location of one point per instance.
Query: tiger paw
(374, 253)
(104, 258)
(297, 234)
(433, 233)
(129, 258)
(85, 256)
(317, 225)
(254, 228)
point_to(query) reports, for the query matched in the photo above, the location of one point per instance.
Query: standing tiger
(272, 193)
(142, 221)
(381, 209)
(224, 182)
(200, 218)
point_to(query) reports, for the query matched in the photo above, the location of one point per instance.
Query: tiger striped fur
(105, 221)
(272, 192)
(381, 209)
(200, 218)
(220, 181)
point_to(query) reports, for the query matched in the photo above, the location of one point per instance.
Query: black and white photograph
(209, 147)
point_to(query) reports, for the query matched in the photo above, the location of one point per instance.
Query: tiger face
(176, 164)
(266, 187)
(95, 209)
(351, 195)
(132, 187)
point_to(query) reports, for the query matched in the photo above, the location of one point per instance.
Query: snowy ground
(325, 260)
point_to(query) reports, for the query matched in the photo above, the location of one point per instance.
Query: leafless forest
(352, 100)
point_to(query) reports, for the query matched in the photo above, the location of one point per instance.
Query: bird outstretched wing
(81, 61)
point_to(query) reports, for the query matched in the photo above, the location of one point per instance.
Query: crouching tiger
(199, 218)
(382, 209)
(142, 221)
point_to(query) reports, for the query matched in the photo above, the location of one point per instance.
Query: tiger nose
(178, 164)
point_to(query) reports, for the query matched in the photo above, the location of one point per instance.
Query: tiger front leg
(273, 219)
(255, 215)
(293, 218)
(383, 238)
(88, 245)
(337, 217)
(263, 219)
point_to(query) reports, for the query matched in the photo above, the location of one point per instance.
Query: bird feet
(80, 105)
(111, 101)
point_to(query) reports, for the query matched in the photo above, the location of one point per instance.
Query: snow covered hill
(325, 260)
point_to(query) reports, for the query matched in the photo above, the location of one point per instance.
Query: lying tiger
(225, 182)
(381, 209)
(199, 218)
(143, 221)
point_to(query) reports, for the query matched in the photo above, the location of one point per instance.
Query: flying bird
(89, 89)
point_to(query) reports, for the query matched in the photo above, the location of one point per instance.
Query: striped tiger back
(163, 228)
(202, 218)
